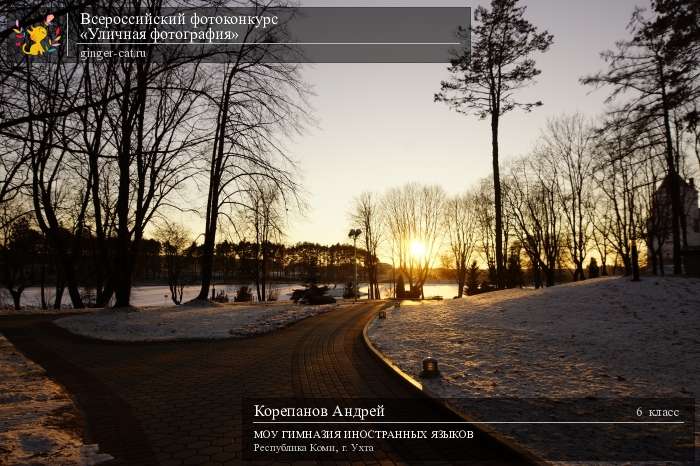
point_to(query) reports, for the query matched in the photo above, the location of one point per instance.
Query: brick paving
(179, 403)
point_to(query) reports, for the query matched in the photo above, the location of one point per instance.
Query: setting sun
(417, 249)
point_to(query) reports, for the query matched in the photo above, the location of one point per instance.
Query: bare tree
(14, 175)
(58, 199)
(18, 253)
(656, 77)
(154, 137)
(366, 216)
(567, 145)
(256, 101)
(414, 218)
(262, 217)
(601, 213)
(174, 239)
(485, 224)
(108, 145)
(460, 224)
(621, 154)
(532, 204)
(487, 76)
(654, 214)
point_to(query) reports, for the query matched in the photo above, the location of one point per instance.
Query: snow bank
(188, 322)
(598, 338)
(38, 422)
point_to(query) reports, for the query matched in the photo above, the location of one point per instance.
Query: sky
(378, 126)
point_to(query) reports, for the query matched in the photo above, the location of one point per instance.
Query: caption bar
(587, 429)
(283, 35)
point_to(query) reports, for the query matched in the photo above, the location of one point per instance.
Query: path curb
(498, 437)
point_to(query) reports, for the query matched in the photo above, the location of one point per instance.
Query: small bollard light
(397, 306)
(382, 314)
(430, 368)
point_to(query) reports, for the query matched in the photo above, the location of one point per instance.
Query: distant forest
(29, 261)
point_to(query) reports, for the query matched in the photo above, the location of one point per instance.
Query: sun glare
(417, 249)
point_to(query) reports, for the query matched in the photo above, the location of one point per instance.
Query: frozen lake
(159, 295)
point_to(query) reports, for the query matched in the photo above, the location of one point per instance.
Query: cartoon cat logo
(39, 38)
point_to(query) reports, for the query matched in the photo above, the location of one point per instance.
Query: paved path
(180, 402)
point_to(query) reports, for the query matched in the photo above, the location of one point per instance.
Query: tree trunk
(263, 275)
(121, 273)
(207, 264)
(258, 274)
(42, 279)
(104, 289)
(497, 200)
(675, 187)
(550, 272)
(635, 263)
(16, 297)
(375, 283)
(59, 294)
(104, 294)
(174, 279)
(71, 283)
(215, 175)
(123, 289)
(627, 264)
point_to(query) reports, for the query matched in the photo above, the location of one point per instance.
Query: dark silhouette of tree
(621, 155)
(14, 177)
(487, 76)
(174, 239)
(55, 166)
(225, 251)
(485, 224)
(366, 217)
(18, 255)
(153, 138)
(601, 213)
(473, 279)
(656, 229)
(514, 271)
(108, 145)
(263, 220)
(254, 100)
(532, 204)
(567, 144)
(656, 72)
(460, 225)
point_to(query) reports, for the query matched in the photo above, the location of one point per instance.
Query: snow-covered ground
(189, 321)
(605, 338)
(38, 422)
